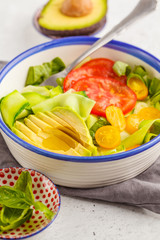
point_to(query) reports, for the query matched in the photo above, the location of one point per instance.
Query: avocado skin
(67, 33)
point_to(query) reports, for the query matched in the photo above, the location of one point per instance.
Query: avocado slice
(28, 132)
(46, 144)
(72, 143)
(51, 119)
(38, 132)
(22, 136)
(52, 19)
(78, 124)
(44, 127)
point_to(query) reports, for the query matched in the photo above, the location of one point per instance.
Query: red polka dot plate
(44, 190)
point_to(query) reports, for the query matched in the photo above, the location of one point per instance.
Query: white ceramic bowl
(73, 171)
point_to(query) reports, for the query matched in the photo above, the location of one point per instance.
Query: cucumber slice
(41, 90)
(34, 98)
(11, 106)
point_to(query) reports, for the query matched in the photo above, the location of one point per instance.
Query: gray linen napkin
(142, 191)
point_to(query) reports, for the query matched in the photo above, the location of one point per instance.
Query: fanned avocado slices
(52, 21)
(78, 124)
(43, 131)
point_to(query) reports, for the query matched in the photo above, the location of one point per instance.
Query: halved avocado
(53, 22)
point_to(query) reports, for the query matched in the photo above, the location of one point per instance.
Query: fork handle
(142, 8)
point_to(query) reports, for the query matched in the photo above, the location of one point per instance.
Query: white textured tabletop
(80, 218)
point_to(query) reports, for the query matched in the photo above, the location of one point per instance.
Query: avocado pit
(74, 8)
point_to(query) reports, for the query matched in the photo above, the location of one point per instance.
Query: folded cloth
(142, 191)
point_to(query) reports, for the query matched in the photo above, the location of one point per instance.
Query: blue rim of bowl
(116, 45)
(31, 235)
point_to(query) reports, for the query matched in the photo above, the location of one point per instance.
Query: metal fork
(143, 8)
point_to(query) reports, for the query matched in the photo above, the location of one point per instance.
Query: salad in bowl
(98, 126)
(101, 107)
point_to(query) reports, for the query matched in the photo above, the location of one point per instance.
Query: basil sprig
(18, 202)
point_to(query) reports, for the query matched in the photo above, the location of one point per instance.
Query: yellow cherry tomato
(116, 117)
(132, 123)
(108, 137)
(135, 146)
(149, 113)
(138, 86)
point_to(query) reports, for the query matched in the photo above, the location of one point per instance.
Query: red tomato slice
(96, 67)
(108, 65)
(106, 92)
(83, 72)
(103, 62)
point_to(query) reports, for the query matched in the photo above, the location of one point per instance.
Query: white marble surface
(80, 218)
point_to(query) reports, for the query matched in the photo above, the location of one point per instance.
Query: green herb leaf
(140, 70)
(24, 184)
(99, 123)
(37, 74)
(155, 98)
(25, 215)
(10, 215)
(121, 68)
(60, 81)
(43, 208)
(13, 198)
(154, 86)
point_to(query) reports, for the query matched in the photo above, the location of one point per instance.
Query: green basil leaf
(9, 215)
(26, 215)
(24, 184)
(13, 198)
(43, 208)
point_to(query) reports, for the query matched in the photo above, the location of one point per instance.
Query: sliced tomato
(106, 92)
(103, 62)
(96, 67)
(108, 65)
(83, 72)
